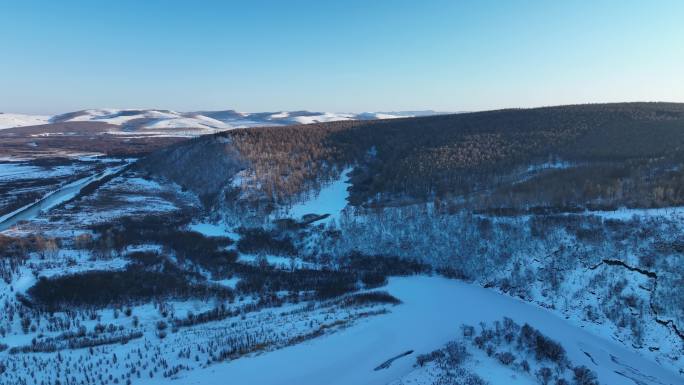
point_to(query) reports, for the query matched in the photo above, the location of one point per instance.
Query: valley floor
(431, 314)
(352, 343)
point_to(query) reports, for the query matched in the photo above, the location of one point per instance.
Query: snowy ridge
(133, 120)
(8, 120)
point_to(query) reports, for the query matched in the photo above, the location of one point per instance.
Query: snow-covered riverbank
(431, 314)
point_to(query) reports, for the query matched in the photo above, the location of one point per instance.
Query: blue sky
(57, 56)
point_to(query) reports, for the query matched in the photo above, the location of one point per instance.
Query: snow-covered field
(35, 185)
(56, 212)
(330, 200)
(433, 309)
(52, 199)
(11, 171)
(321, 344)
(157, 348)
(213, 230)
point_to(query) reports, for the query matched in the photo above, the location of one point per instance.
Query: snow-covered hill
(159, 120)
(8, 120)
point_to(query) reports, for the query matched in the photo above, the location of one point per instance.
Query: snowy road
(432, 312)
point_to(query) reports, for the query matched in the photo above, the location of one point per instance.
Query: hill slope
(8, 120)
(580, 155)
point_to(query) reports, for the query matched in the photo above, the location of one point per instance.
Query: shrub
(374, 297)
(456, 353)
(423, 359)
(468, 331)
(549, 349)
(473, 379)
(544, 375)
(506, 358)
(373, 279)
(525, 366)
(584, 376)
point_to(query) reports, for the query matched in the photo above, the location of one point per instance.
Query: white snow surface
(8, 120)
(278, 261)
(433, 309)
(487, 367)
(160, 120)
(331, 199)
(213, 230)
(21, 170)
(625, 214)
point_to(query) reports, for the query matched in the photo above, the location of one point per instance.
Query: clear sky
(342, 56)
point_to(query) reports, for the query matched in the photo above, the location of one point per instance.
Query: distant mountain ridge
(161, 121)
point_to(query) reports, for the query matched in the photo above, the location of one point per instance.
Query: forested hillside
(603, 155)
